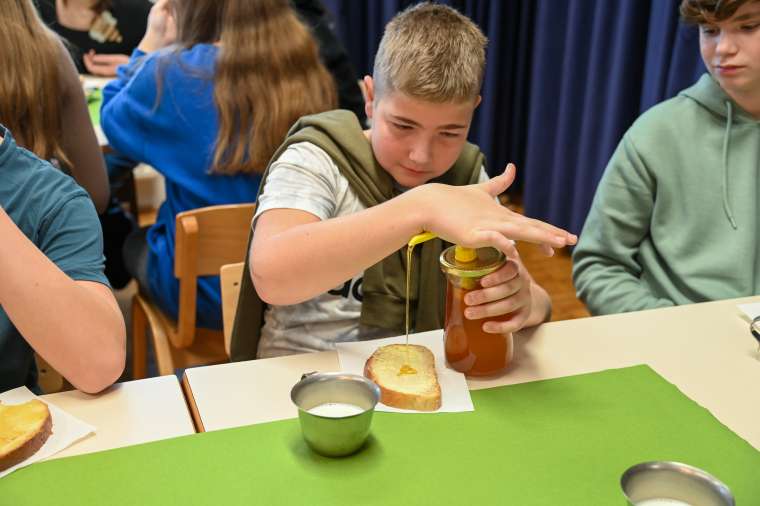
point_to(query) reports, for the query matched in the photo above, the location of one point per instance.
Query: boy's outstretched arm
(76, 326)
(295, 256)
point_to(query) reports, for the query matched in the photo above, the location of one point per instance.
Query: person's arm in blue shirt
(75, 325)
(129, 102)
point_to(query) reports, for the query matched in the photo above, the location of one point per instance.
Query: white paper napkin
(751, 310)
(455, 396)
(66, 428)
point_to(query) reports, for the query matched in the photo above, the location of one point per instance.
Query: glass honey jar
(469, 349)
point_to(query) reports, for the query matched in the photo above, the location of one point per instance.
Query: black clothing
(333, 54)
(132, 20)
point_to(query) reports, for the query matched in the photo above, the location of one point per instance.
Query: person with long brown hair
(42, 102)
(207, 97)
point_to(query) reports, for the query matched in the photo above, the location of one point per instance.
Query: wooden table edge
(191, 405)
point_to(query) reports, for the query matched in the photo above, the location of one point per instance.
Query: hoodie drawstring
(726, 138)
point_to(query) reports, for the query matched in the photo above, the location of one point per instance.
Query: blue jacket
(176, 136)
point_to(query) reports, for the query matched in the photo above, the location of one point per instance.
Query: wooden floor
(555, 275)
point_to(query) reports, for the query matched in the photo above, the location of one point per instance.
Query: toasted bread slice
(24, 428)
(406, 377)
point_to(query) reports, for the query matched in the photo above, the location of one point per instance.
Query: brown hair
(431, 52)
(30, 96)
(706, 11)
(268, 74)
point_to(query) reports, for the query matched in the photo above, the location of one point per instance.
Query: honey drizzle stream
(408, 280)
(406, 368)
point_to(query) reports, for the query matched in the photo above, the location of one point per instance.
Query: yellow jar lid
(482, 261)
(464, 255)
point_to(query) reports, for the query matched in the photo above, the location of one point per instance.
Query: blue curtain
(564, 80)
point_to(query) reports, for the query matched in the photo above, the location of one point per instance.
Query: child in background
(682, 187)
(54, 297)
(339, 204)
(101, 33)
(333, 55)
(43, 104)
(206, 100)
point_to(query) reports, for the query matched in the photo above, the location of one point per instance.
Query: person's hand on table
(162, 27)
(103, 64)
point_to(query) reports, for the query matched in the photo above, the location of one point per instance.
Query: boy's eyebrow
(747, 15)
(450, 126)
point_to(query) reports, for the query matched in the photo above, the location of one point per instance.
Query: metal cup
(335, 436)
(645, 483)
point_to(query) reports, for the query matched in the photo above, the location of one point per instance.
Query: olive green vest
(341, 136)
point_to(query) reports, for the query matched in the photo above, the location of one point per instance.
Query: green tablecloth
(562, 442)
(94, 100)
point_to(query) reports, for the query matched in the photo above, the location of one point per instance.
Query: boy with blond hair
(338, 204)
(681, 190)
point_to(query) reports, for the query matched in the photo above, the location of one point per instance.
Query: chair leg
(139, 341)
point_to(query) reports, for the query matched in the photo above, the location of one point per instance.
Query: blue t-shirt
(176, 136)
(58, 216)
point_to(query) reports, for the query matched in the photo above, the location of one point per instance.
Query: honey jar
(469, 349)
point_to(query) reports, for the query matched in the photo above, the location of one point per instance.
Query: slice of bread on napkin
(24, 428)
(406, 376)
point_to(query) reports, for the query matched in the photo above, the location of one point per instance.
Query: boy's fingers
(535, 231)
(546, 250)
(498, 185)
(569, 238)
(494, 239)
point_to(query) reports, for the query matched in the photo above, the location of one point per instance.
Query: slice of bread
(406, 377)
(24, 428)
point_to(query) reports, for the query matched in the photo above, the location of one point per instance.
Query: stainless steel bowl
(643, 483)
(335, 436)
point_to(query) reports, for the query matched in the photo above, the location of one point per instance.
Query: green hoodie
(675, 216)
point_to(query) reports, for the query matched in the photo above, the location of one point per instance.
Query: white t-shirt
(307, 179)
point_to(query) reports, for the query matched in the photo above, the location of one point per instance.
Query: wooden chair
(48, 379)
(206, 239)
(229, 277)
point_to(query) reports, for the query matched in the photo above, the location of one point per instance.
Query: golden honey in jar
(469, 349)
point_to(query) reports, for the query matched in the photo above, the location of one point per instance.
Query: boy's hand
(471, 217)
(506, 291)
(162, 27)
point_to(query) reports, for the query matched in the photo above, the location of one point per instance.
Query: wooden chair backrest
(229, 277)
(206, 239)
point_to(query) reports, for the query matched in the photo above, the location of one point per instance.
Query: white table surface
(127, 413)
(706, 350)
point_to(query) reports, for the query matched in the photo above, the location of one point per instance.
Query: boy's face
(731, 50)
(414, 140)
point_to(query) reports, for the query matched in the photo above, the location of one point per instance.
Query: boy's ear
(477, 101)
(369, 95)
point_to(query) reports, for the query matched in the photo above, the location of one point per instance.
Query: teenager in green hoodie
(675, 217)
(338, 204)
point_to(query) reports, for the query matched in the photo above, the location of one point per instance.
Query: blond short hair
(431, 52)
